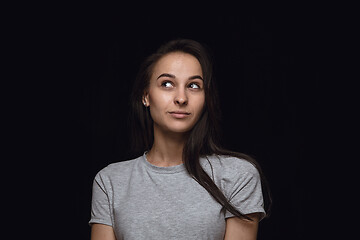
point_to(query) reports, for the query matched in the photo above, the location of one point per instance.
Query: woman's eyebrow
(196, 77)
(166, 75)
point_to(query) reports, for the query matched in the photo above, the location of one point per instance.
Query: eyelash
(163, 84)
(198, 86)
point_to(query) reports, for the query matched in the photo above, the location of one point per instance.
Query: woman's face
(176, 92)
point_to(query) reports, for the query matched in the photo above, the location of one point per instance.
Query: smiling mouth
(179, 114)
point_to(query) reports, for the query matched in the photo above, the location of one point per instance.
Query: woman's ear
(145, 99)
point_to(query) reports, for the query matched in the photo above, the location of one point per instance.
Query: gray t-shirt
(143, 201)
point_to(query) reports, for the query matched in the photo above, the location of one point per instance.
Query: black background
(270, 64)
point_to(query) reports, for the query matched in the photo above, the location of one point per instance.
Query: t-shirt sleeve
(100, 204)
(244, 192)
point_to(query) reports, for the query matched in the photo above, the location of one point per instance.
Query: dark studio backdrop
(268, 66)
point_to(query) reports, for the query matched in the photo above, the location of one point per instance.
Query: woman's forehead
(179, 64)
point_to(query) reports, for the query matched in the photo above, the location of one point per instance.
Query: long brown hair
(203, 138)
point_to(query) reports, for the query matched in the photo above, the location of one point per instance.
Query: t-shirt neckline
(172, 169)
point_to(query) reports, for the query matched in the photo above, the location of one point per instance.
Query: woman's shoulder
(229, 165)
(118, 168)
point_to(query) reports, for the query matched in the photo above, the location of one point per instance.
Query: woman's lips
(179, 114)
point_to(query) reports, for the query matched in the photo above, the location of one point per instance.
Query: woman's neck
(167, 149)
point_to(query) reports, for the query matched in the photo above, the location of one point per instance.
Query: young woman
(184, 185)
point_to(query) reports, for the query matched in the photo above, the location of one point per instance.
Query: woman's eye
(194, 86)
(167, 84)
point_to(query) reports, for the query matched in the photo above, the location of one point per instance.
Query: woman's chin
(179, 128)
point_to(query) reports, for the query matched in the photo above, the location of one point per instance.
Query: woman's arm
(102, 232)
(239, 229)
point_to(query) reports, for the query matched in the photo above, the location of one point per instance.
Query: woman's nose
(181, 98)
